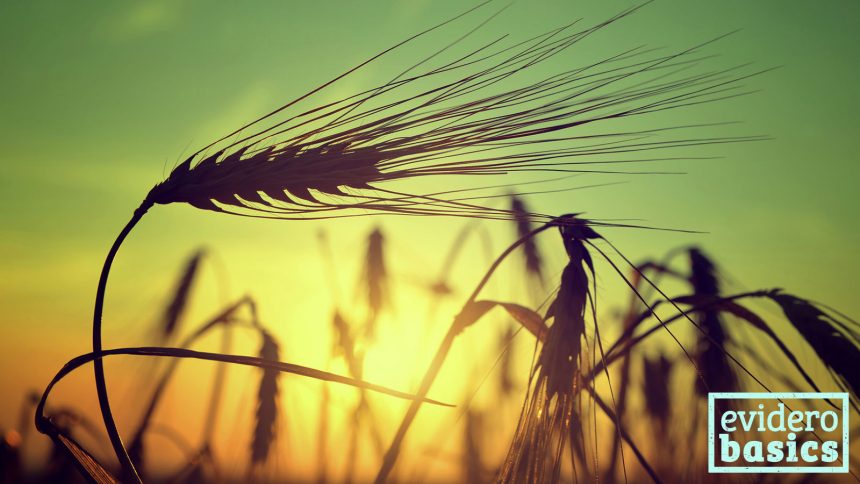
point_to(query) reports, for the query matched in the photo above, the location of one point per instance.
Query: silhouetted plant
(480, 116)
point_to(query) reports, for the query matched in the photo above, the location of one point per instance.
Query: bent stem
(128, 471)
(439, 358)
(257, 362)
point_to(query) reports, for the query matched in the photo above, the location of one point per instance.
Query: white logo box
(714, 469)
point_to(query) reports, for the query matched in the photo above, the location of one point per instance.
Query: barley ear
(176, 308)
(266, 416)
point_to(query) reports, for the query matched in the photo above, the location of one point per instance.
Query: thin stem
(42, 422)
(128, 471)
(436, 365)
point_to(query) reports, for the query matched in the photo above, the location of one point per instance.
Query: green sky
(99, 100)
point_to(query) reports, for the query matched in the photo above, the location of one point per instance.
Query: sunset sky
(99, 101)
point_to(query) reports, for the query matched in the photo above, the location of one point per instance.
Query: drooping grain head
(451, 120)
(834, 338)
(267, 176)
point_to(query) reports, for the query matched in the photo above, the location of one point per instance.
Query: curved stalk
(45, 426)
(439, 358)
(129, 473)
(159, 351)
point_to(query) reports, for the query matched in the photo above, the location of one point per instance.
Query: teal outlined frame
(714, 469)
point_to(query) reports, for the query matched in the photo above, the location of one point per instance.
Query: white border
(714, 469)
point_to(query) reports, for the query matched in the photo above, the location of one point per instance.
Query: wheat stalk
(545, 422)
